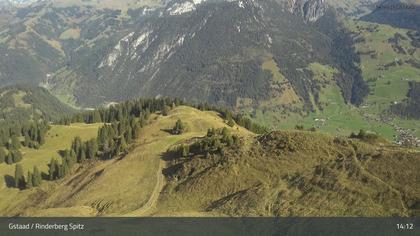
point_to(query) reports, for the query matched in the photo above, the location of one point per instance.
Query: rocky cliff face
(311, 10)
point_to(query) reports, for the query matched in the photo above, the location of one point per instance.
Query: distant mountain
(197, 50)
(281, 62)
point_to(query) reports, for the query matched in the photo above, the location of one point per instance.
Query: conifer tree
(122, 145)
(19, 178)
(73, 156)
(16, 156)
(2, 155)
(128, 135)
(29, 180)
(53, 169)
(65, 167)
(91, 148)
(37, 178)
(27, 140)
(96, 117)
(15, 143)
(9, 158)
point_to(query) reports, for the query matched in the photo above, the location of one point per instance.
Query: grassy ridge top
(296, 173)
(123, 186)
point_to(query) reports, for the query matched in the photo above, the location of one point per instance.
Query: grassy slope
(312, 175)
(389, 85)
(260, 179)
(118, 187)
(58, 138)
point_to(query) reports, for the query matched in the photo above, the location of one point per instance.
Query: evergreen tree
(122, 145)
(65, 168)
(82, 156)
(9, 158)
(96, 117)
(52, 173)
(91, 148)
(41, 138)
(16, 156)
(29, 180)
(73, 157)
(2, 155)
(19, 178)
(27, 140)
(15, 143)
(37, 178)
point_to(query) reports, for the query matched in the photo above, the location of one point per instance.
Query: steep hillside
(397, 13)
(295, 173)
(94, 55)
(24, 103)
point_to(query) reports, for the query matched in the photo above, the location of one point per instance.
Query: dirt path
(151, 203)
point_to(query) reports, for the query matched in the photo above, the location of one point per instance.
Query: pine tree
(9, 158)
(2, 155)
(16, 156)
(73, 157)
(96, 117)
(27, 140)
(41, 139)
(122, 145)
(29, 180)
(53, 169)
(93, 148)
(66, 168)
(19, 178)
(37, 178)
(128, 135)
(82, 156)
(15, 143)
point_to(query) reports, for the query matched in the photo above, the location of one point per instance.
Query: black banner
(210, 226)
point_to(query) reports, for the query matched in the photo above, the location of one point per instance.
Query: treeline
(212, 143)
(122, 123)
(18, 134)
(121, 128)
(121, 111)
(232, 119)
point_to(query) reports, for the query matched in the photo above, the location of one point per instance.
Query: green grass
(58, 138)
(118, 187)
